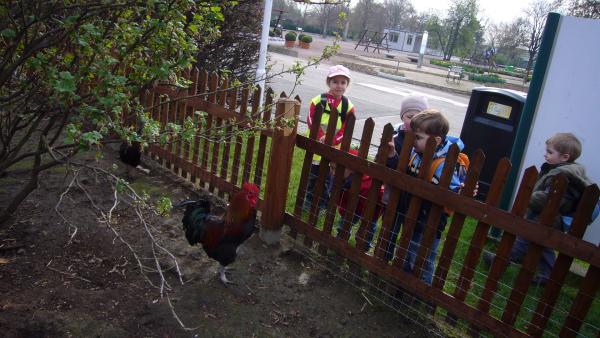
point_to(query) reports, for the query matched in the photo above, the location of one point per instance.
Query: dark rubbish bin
(491, 124)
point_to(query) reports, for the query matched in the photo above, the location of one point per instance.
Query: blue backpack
(567, 220)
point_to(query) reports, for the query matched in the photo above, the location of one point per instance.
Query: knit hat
(338, 70)
(413, 102)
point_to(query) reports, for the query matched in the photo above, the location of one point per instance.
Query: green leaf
(164, 206)
(65, 83)
(8, 33)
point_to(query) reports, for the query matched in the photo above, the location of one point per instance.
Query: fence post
(278, 174)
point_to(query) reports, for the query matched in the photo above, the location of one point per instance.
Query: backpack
(462, 166)
(567, 220)
(462, 163)
(344, 105)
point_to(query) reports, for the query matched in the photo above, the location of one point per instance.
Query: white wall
(570, 99)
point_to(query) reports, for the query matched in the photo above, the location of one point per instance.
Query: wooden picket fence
(220, 158)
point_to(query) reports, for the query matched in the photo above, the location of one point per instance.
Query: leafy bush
(440, 63)
(306, 39)
(489, 78)
(290, 36)
(300, 36)
(275, 32)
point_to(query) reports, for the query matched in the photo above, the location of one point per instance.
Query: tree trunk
(452, 40)
(528, 69)
(346, 27)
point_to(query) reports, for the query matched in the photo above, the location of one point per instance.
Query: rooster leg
(223, 277)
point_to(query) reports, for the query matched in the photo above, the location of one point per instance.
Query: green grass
(563, 304)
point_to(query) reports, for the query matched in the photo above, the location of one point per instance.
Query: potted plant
(300, 36)
(305, 41)
(290, 39)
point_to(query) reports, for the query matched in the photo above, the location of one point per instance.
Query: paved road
(373, 96)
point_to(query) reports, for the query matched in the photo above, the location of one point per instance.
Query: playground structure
(373, 39)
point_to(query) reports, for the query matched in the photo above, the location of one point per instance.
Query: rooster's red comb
(250, 187)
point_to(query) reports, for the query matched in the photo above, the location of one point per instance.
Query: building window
(394, 37)
(409, 40)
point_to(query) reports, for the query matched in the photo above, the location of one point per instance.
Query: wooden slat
(148, 107)
(219, 130)
(254, 115)
(581, 304)
(411, 217)
(373, 194)
(399, 277)
(189, 111)
(481, 229)
(320, 188)
(353, 193)
(229, 123)
(209, 133)
(308, 156)
(181, 108)
(200, 139)
(164, 117)
(385, 233)
(236, 163)
(338, 178)
(262, 143)
(452, 236)
(563, 263)
(389, 217)
(534, 252)
(435, 212)
(502, 259)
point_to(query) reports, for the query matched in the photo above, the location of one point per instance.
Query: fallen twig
(71, 275)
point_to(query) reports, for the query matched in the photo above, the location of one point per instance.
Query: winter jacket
(365, 186)
(413, 170)
(340, 125)
(577, 181)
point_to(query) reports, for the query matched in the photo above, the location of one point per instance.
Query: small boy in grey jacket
(562, 150)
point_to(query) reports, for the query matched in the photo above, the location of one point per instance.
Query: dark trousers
(312, 180)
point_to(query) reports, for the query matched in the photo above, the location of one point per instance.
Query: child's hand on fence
(392, 147)
(475, 191)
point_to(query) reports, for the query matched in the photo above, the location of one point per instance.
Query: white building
(403, 41)
(406, 41)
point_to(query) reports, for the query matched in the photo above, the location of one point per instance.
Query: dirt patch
(54, 284)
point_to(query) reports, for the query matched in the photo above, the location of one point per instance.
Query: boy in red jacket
(342, 203)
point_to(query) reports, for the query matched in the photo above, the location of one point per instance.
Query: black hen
(221, 235)
(131, 154)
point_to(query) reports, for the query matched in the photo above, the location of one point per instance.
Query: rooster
(221, 234)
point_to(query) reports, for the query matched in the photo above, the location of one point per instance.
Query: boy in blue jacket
(429, 123)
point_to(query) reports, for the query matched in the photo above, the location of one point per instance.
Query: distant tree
(364, 15)
(508, 42)
(461, 21)
(458, 29)
(236, 48)
(435, 25)
(584, 8)
(535, 21)
(291, 12)
(398, 14)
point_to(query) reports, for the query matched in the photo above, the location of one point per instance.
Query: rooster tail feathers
(194, 219)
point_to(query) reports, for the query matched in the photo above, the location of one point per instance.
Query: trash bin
(491, 124)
